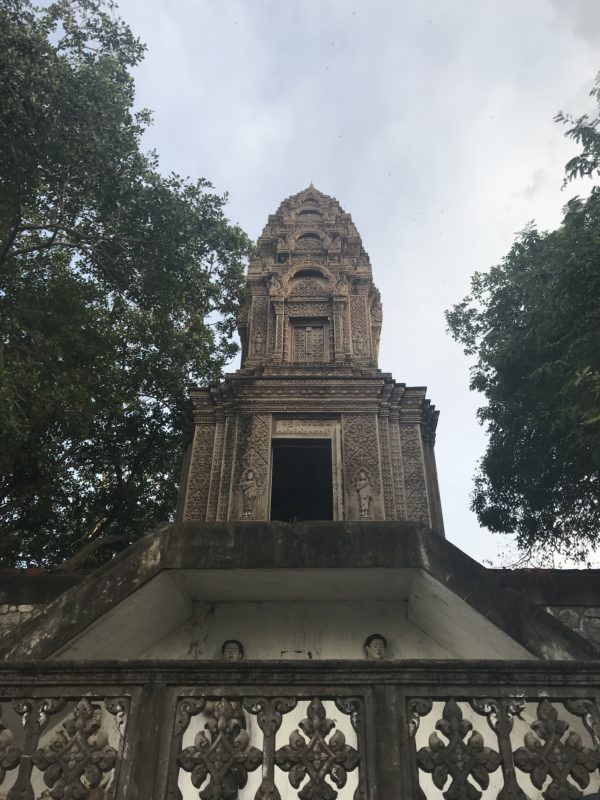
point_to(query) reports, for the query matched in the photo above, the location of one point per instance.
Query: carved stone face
(362, 475)
(375, 650)
(250, 475)
(232, 651)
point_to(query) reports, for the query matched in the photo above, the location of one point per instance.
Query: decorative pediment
(309, 282)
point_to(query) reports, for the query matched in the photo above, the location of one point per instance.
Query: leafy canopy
(118, 287)
(533, 325)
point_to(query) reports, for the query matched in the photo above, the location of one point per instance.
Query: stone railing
(308, 730)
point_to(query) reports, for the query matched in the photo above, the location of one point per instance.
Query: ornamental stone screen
(310, 342)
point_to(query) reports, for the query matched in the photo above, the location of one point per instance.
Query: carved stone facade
(310, 342)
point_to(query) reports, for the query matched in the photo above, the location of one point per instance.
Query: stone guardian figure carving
(364, 490)
(258, 344)
(249, 489)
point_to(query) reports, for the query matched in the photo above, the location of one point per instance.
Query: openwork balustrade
(315, 731)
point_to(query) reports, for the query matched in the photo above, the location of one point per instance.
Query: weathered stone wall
(255, 550)
(584, 620)
(13, 615)
(24, 593)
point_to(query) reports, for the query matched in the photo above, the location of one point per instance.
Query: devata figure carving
(364, 491)
(275, 287)
(375, 646)
(249, 489)
(232, 650)
(341, 286)
(258, 344)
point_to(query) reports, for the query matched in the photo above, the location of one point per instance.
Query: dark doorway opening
(301, 486)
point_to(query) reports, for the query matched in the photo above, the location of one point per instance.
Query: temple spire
(312, 295)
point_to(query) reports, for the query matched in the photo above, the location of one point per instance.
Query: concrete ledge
(34, 587)
(553, 587)
(308, 545)
(436, 677)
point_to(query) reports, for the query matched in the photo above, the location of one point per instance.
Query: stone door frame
(297, 427)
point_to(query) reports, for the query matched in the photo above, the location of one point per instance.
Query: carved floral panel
(505, 748)
(200, 472)
(251, 470)
(54, 748)
(413, 467)
(269, 747)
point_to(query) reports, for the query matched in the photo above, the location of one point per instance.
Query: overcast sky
(430, 122)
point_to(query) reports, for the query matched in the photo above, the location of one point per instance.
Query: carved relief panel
(200, 472)
(251, 467)
(415, 483)
(259, 328)
(361, 334)
(362, 472)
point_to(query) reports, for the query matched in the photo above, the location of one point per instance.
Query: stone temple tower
(356, 654)
(309, 427)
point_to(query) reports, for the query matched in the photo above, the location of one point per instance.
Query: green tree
(533, 325)
(118, 288)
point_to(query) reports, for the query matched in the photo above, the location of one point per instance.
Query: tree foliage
(533, 324)
(118, 288)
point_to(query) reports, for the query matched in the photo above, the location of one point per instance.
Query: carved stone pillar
(361, 334)
(386, 467)
(278, 306)
(415, 482)
(258, 334)
(397, 475)
(226, 466)
(435, 503)
(215, 473)
(200, 471)
(339, 312)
